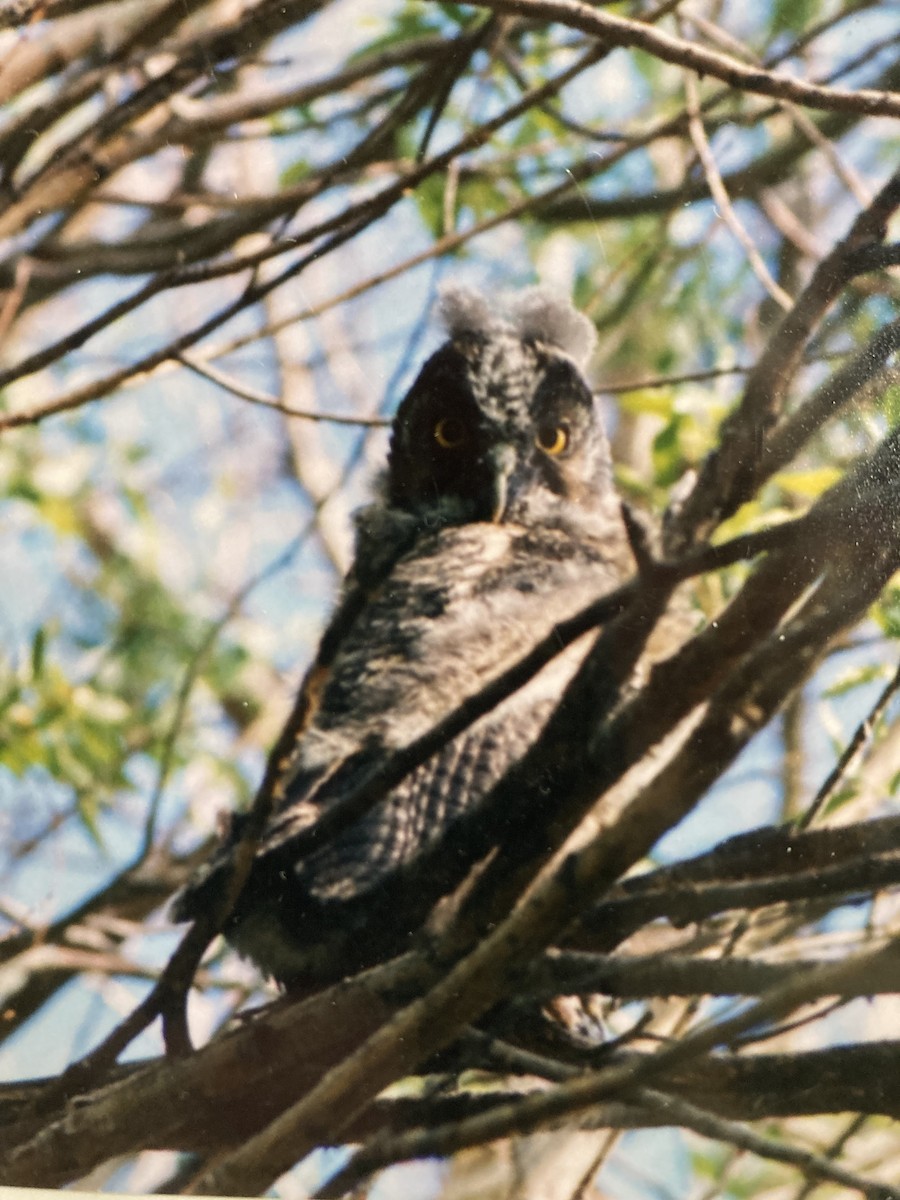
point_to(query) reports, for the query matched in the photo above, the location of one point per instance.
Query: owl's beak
(503, 462)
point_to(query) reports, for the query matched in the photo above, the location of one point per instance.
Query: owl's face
(502, 429)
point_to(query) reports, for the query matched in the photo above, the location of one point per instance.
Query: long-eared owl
(495, 519)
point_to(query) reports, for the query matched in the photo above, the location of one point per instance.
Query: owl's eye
(552, 439)
(449, 433)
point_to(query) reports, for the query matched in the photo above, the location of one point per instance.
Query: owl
(495, 519)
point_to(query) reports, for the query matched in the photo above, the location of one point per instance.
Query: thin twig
(815, 1166)
(853, 753)
(722, 199)
(245, 392)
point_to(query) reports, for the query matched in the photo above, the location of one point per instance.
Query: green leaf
(657, 402)
(808, 485)
(88, 813)
(854, 678)
(295, 173)
(38, 651)
(792, 15)
(890, 405)
(841, 797)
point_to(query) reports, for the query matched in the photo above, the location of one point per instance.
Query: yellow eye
(552, 439)
(449, 433)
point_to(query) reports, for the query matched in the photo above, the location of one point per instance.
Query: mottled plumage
(496, 519)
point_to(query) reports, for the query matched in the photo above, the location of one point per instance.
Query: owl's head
(500, 424)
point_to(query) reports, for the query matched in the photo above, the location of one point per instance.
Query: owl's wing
(289, 781)
(362, 896)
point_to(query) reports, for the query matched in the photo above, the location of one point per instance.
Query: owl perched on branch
(496, 518)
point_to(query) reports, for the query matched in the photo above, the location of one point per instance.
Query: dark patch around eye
(436, 445)
(562, 409)
(450, 433)
(561, 390)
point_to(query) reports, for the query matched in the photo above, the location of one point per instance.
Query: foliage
(221, 231)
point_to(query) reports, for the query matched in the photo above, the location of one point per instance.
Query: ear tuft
(464, 310)
(540, 315)
(535, 315)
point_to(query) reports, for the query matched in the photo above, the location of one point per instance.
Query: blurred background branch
(222, 227)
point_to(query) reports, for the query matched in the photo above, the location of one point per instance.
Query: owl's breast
(461, 607)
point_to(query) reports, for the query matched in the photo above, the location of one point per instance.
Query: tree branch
(621, 31)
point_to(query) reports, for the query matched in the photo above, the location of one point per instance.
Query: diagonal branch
(729, 475)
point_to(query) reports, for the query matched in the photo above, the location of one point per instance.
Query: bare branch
(621, 31)
(720, 195)
(205, 371)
